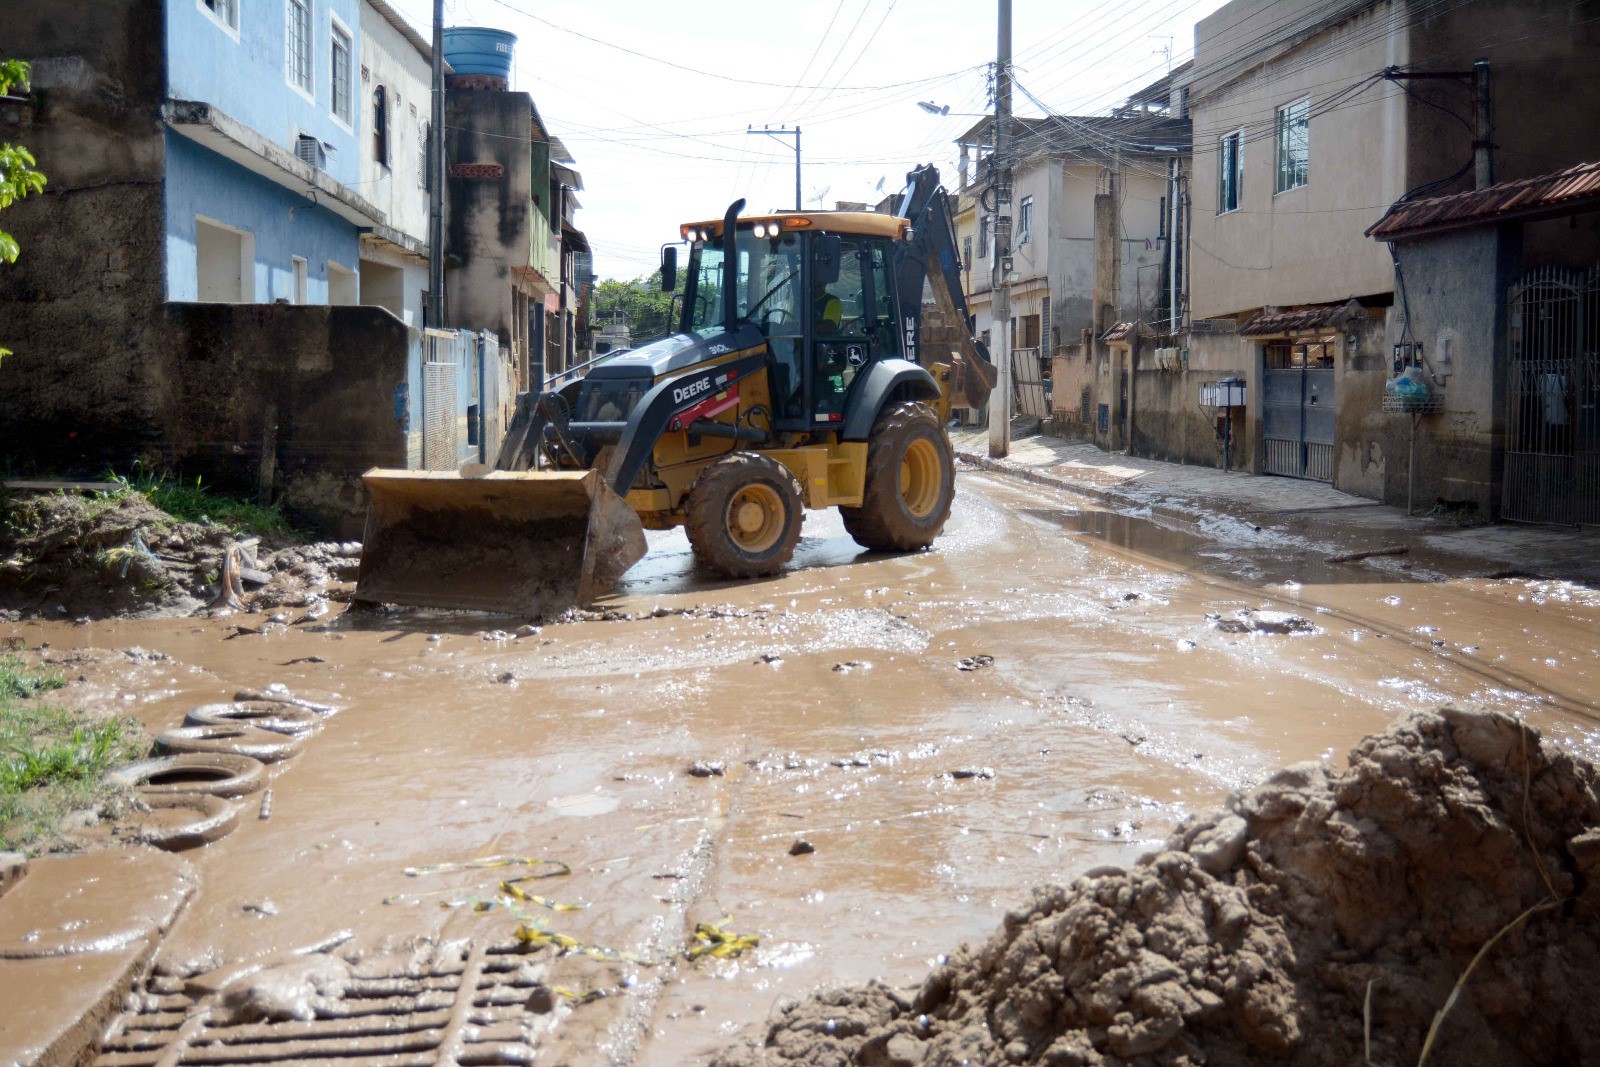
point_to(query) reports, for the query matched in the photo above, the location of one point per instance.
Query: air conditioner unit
(1167, 359)
(311, 152)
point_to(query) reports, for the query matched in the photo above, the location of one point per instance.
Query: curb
(1028, 474)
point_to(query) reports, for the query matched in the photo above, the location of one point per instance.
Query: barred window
(340, 91)
(225, 11)
(1294, 145)
(299, 44)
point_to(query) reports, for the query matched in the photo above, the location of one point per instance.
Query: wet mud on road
(864, 761)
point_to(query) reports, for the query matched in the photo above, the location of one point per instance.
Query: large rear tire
(910, 482)
(743, 515)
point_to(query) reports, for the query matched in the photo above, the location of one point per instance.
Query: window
(339, 92)
(966, 253)
(380, 124)
(225, 12)
(1025, 220)
(1230, 172)
(299, 276)
(1294, 144)
(299, 44)
(983, 237)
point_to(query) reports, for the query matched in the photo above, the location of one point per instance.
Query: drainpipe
(436, 184)
(1482, 149)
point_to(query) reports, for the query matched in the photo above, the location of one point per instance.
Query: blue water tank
(475, 50)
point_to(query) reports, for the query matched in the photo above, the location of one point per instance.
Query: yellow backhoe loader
(798, 379)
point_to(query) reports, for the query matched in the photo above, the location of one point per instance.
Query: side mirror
(669, 268)
(825, 253)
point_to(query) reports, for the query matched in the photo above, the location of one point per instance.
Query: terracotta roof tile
(1575, 188)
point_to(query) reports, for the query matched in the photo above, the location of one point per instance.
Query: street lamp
(934, 109)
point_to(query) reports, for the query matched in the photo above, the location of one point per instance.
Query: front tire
(743, 515)
(910, 481)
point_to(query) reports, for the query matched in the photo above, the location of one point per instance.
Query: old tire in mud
(210, 819)
(910, 483)
(238, 740)
(744, 515)
(217, 774)
(267, 715)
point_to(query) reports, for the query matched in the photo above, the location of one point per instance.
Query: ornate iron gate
(1552, 470)
(1297, 409)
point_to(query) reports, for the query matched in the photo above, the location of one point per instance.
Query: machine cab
(819, 287)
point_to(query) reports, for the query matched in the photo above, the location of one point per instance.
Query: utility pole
(1482, 131)
(784, 131)
(1000, 295)
(436, 178)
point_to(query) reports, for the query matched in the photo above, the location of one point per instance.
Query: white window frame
(299, 280)
(1024, 220)
(336, 29)
(229, 26)
(289, 9)
(985, 237)
(1238, 172)
(1278, 143)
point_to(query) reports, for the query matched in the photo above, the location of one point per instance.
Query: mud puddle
(941, 730)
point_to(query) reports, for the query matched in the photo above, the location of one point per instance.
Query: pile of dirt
(67, 556)
(1283, 929)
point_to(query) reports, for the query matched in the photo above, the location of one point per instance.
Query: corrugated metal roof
(1122, 331)
(1548, 194)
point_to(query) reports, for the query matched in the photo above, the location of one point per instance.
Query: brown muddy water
(1098, 706)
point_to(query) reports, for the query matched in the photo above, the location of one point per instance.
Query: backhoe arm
(929, 255)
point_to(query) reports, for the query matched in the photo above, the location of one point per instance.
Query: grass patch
(193, 502)
(52, 761)
(17, 679)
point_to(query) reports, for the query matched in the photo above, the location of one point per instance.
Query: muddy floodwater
(864, 762)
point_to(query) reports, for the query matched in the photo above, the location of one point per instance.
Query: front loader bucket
(520, 542)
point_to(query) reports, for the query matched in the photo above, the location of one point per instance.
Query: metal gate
(1297, 409)
(440, 401)
(1027, 376)
(1552, 470)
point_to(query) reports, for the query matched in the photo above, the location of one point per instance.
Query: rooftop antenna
(1164, 50)
(819, 194)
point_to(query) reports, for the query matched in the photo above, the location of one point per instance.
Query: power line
(679, 66)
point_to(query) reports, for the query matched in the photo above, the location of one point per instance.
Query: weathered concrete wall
(487, 222)
(1365, 439)
(1168, 421)
(311, 391)
(1455, 287)
(1545, 97)
(81, 306)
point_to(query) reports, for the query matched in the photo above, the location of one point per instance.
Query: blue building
(261, 138)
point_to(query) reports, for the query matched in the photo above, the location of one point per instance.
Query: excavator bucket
(521, 542)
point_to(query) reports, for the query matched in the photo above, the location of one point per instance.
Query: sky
(655, 99)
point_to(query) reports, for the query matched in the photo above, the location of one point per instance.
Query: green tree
(640, 303)
(18, 175)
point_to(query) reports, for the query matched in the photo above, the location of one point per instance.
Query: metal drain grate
(454, 1004)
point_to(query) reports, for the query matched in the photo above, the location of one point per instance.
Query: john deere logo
(689, 392)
